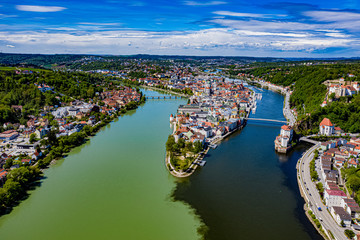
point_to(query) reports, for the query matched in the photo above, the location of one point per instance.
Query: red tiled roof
(336, 193)
(286, 127)
(326, 122)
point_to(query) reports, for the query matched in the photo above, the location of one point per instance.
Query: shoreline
(42, 164)
(165, 90)
(199, 157)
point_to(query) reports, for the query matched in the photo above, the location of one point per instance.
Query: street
(313, 197)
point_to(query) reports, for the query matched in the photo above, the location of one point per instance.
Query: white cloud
(99, 24)
(220, 41)
(210, 3)
(337, 35)
(10, 46)
(252, 15)
(337, 19)
(256, 25)
(63, 29)
(333, 16)
(33, 8)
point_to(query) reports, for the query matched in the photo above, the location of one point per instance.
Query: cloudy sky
(297, 28)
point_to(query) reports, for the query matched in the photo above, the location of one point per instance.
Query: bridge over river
(163, 97)
(267, 120)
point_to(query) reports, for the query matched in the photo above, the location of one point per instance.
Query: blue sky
(297, 28)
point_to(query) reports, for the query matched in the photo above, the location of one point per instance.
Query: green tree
(32, 138)
(198, 147)
(350, 234)
(332, 96)
(8, 163)
(170, 143)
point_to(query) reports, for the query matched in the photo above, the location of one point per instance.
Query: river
(117, 187)
(247, 190)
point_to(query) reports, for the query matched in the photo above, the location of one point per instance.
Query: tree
(332, 96)
(320, 187)
(198, 147)
(8, 163)
(32, 138)
(52, 138)
(350, 234)
(87, 129)
(170, 143)
(189, 146)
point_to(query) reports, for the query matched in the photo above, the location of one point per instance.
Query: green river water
(115, 186)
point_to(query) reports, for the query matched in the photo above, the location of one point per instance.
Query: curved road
(287, 112)
(312, 197)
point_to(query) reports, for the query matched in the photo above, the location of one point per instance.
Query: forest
(309, 92)
(39, 60)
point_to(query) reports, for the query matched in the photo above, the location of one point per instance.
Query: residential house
(326, 127)
(40, 133)
(341, 216)
(333, 197)
(351, 207)
(9, 135)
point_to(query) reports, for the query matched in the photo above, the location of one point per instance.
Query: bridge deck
(267, 120)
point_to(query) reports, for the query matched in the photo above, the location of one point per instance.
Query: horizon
(265, 29)
(178, 55)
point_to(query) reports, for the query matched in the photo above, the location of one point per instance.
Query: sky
(259, 28)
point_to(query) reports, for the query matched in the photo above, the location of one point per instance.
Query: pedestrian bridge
(305, 139)
(267, 120)
(163, 97)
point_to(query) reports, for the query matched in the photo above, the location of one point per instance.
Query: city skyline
(203, 28)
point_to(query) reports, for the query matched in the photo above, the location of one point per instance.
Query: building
(73, 111)
(283, 141)
(341, 216)
(9, 135)
(40, 133)
(326, 127)
(333, 197)
(351, 207)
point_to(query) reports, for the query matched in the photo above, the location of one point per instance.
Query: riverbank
(165, 90)
(118, 176)
(15, 191)
(199, 158)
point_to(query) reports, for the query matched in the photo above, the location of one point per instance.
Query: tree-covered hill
(21, 88)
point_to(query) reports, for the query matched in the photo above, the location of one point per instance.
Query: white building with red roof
(326, 127)
(282, 142)
(333, 197)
